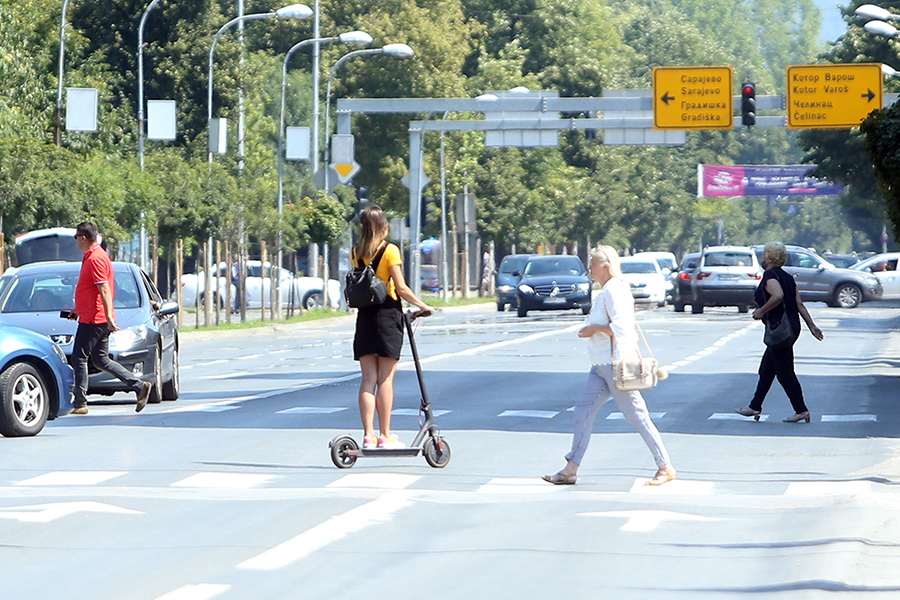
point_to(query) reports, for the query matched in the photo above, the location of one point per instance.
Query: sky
(832, 23)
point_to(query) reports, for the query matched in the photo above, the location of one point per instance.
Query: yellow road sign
(692, 98)
(832, 96)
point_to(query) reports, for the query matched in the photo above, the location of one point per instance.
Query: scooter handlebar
(415, 314)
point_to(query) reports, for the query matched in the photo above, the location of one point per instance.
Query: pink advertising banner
(762, 180)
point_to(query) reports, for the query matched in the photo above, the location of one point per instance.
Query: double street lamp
(294, 11)
(880, 16)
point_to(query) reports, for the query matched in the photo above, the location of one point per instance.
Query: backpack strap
(377, 258)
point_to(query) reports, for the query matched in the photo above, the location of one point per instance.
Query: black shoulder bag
(779, 335)
(363, 288)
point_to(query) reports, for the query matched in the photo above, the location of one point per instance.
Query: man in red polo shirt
(96, 320)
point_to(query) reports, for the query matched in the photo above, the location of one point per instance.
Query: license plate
(728, 277)
(555, 301)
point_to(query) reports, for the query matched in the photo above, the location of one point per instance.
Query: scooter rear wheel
(340, 452)
(437, 452)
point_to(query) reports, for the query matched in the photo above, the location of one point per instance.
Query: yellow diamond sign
(345, 170)
(832, 96)
(692, 98)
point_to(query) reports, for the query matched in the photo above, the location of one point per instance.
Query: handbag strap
(643, 337)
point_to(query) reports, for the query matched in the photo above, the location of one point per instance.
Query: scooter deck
(385, 452)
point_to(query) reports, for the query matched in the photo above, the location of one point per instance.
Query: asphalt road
(229, 493)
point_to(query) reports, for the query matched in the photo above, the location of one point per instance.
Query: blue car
(35, 382)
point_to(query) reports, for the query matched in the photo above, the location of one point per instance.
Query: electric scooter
(428, 440)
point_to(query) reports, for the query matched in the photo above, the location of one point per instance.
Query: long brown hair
(374, 229)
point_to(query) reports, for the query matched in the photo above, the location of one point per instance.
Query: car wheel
(521, 312)
(172, 387)
(697, 308)
(156, 389)
(678, 307)
(848, 295)
(313, 300)
(24, 401)
(661, 304)
(501, 306)
(743, 308)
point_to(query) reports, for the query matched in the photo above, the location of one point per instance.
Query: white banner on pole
(296, 143)
(161, 120)
(81, 109)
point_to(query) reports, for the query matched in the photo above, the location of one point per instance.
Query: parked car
(681, 294)
(844, 261)
(307, 291)
(884, 268)
(507, 276)
(41, 245)
(147, 343)
(668, 264)
(35, 382)
(819, 280)
(725, 276)
(555, 282)
(647, 281)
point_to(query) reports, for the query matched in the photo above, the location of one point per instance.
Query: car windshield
(53, 292)
(666, 263)
(728, 258)
(638, 267)
(511, 264)
(568, 265)
(690, 262)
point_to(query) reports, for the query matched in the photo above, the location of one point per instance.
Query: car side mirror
(517, 273)
(168, 308)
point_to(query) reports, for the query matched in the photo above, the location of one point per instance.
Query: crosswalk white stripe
(72, 478)
(196, 591)
(537, 414)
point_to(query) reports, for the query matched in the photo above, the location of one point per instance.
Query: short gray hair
(776, 253)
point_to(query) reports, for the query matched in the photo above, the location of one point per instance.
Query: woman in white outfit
(611, 333)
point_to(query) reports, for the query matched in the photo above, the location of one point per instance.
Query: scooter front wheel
(343, 452)
(437, 452)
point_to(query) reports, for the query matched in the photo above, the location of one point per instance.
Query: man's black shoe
(142, 396)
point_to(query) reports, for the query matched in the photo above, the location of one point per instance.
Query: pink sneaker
(370, 441)
(390, 441)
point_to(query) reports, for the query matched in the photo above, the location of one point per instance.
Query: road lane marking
(414, 412)
(380, 510)
(734, 417)
(827, 488)
(849, 418)
(496, 345)
(72, 478)
(646, 520)
(536, 414)
(381, 481)
(683, 487)
(45, 513)
(233, 481)
(617, 416)
(518, 485)
(211, 407)
(196, 591)
(314, 410)
(712, 347)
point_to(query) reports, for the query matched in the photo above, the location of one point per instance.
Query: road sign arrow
(44, 513)
(666, 97)
(870, 95)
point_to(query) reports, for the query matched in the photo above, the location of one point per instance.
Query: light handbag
(363, 288)
(780, 335)
(638, 374)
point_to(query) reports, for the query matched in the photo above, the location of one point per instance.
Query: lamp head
(398, 50)
(881, 28)
(487, 98)
(355, 37)
(870, 11)
(888, 71)
(294, 11)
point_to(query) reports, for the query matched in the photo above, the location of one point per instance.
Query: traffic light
(428, 207)
(362, 192)
(748, 104)
(362, 201)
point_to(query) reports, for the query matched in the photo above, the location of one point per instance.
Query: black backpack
(363, 288)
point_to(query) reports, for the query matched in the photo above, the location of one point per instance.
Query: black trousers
(779, 363)
(92, 344)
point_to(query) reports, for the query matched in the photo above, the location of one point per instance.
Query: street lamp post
(62, 58)
(294, 11)
(140, 61)
(351, 37)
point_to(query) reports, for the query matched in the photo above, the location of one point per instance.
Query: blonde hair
(373, 230)
(776, 253)
(607, 255)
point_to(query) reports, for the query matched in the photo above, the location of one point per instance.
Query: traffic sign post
(692, 98)
(832, 96)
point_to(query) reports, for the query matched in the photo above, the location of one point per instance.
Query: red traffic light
(748, 89)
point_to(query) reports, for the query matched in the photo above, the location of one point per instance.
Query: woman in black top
(777, 298)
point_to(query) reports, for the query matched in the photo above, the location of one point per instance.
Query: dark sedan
(506, 277)
(681, 293)
(553, 283)
(146, 344)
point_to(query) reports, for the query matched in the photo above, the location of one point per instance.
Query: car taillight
(685, 276)
(703, 275)
(756, 275)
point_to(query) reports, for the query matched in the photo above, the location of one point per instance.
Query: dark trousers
(92, 344)
(779, 363)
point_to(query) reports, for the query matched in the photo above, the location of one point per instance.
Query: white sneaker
(390, 441)
(369, 441)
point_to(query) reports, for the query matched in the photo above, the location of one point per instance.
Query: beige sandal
(665, 474)
(561, 478)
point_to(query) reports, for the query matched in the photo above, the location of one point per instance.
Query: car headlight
(526, 289)
(505, 288)
(584, 287)
(127, 338)
(871, 280)
(59, 352)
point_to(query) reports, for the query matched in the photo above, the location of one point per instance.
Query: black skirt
(379, 330)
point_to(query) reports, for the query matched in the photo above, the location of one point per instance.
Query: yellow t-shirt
(390, 257)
